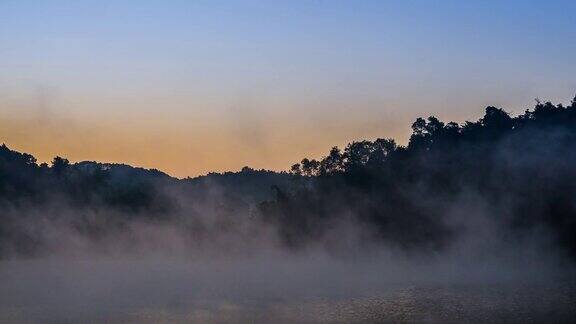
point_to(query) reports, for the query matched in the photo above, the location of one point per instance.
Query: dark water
(479, 304)
(44, 292)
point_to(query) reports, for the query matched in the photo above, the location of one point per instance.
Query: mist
(471, 222)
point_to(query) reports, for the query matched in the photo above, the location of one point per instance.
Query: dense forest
(518, 173)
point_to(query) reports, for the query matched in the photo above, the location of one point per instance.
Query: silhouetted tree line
(520, 170)
(24, 182)
(96, 199)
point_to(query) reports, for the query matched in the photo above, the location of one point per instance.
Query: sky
(190, 87)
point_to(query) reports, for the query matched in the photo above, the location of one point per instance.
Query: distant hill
(252, 185)
(21, 177)
(121, 172)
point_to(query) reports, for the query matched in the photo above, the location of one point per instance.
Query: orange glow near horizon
(178, 149)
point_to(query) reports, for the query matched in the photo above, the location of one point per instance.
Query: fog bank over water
(152, 273)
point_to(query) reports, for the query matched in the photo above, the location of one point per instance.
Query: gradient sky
(196, 86)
